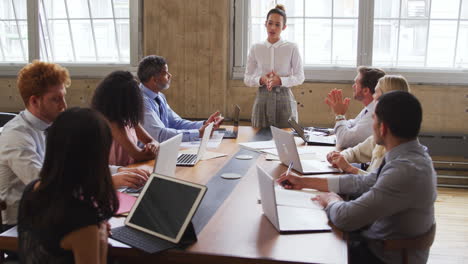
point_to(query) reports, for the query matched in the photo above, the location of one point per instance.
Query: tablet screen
(165, 207)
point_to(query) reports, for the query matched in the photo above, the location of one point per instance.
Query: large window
(425, 40)
(90, 37)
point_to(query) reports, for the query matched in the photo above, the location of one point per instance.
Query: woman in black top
(63, 215)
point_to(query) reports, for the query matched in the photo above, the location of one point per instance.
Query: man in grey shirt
(397, 200)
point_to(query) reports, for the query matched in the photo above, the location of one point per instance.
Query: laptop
(192, 159)
(287, 152)
(165, 162)
(287, 219)
(312, 139)
(161, 214)
(233, 133)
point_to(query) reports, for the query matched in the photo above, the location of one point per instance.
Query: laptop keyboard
(186, 159)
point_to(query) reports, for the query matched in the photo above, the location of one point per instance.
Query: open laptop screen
(165, 207)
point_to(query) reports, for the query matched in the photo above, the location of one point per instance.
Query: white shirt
(351, 132)
(282, 57)
(22, 151)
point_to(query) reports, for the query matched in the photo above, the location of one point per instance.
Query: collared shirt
(351, 132)
(22, 151)
(171, 125)
(397, 204)
(283, 57)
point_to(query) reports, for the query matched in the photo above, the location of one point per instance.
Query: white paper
(258, 145)
(295, 198)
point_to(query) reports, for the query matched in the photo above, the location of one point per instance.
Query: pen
(289, 168)
(286, 183)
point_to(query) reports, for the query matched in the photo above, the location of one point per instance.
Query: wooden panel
(190, 53)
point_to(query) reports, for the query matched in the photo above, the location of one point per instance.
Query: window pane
(122, 8)
(70, 39)
(445, 8)
(415, 8)
(442, 35)
(387, 8)
(295, 33)
(13, 31)
(101, 8)
(385, 42)
(57, 39)
(257, 30)
(318, 8)
(346, 8)
(259, 9)
(78, 8)
(344, 42)
(318, 41)
(462, 51)
(294, 8)
(53, 9)
(123, 33)
(464, 12)
(413, 35)
(83, 39)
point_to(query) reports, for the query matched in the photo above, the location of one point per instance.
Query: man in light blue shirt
(42, 87)
(160, 120)
(397, 200)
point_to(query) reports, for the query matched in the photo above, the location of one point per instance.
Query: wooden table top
(239, 232)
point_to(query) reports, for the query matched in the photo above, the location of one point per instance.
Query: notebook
(288, 219)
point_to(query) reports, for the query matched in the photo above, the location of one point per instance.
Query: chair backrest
(5, 117)
(423, 241)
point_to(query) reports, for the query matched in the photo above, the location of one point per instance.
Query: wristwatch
(340, 117)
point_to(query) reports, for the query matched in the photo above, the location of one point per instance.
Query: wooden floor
(451, 241)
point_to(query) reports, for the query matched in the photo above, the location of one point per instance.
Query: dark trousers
(358, 250)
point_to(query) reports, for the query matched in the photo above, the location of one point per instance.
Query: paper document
(296, 198)
(125, 202)
(258, 145)
(214, 141)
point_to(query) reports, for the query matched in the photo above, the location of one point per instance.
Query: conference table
(237, 232)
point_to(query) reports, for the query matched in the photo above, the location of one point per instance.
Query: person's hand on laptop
(336, 102)
(324, 199)
(130, 177)
(215, 118)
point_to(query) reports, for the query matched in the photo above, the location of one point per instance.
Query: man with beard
(351, 132)
(160, 120)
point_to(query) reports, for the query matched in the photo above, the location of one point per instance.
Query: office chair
(423, 241)
(5, 117)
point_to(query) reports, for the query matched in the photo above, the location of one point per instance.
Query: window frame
(240, 14)
(86, 70)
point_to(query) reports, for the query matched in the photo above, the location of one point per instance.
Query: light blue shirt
(22, 151)
(170, 124)
(397, 204)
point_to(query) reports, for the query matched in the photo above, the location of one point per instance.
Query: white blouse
(283, 57)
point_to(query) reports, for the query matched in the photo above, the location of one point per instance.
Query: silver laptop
(288, 218)
(192, 159)
(165, 162)
(287, 152)
(312, 139)
(233, 133)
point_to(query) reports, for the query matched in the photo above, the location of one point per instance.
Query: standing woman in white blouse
(274, 66)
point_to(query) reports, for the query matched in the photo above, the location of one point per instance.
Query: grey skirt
(274, 108)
